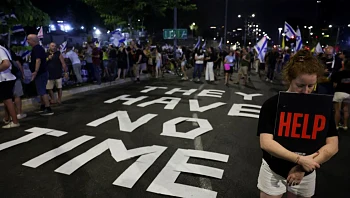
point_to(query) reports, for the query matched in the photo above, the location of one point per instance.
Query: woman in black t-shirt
(283, 170)
(341, 83)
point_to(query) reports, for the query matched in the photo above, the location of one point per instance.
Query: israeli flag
(63, 46)
(41, 33)
(26, 53)
(205, 43)
(289, 31)
(261, 49)
(318, 49)
(220, 45)
(198, 43)
(299, 40)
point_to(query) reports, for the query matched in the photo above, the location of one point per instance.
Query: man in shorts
(7, 83)
(40, 75)
(243, 70)
(55, 64)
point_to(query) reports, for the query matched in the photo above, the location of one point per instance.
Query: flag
(318, 48)
(63, 46)
(289, 31)
(261, 49)
(283, 43)
(198, 43)
(205, 43)
(220, 44)
(16, 28)
(40, 33)
(299, 40)
(24, 54)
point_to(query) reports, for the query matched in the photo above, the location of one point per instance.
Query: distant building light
(307, 41)
(214, 38)
(82, 27)
(322, 46)
(318, 1)
(305, 26)
(59, 21)
(228, 41)
(108, 32)
(239, 29)
(348, 25)
(322, 33)
(94, 28)
(250, 43)
(259, 34)
(239, 16)
(52, 27)
(202, 39)
(311, 33)
(326, 35)
(138, 20)
(212, 27)
(67, 27)
(233, 30)
(330, 26)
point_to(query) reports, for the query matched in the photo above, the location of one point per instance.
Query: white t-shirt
(6, 75)
(199, 57)
(73, 57)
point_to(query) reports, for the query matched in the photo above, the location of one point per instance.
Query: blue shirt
(230, 59)
(38, 52)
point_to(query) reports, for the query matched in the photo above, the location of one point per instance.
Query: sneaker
(42, 108)
(267, 80)
(11, 125)
(47, 112)
(21, 116)
(6, 121)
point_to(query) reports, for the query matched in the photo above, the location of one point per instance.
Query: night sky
(270, 14)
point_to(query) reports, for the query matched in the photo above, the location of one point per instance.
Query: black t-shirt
(112, 54)
(54, 66)
(212, 57)
(267, 125)
(342, 79)
(38, 52)
(272, 58)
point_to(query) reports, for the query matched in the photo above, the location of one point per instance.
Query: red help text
(288, 126)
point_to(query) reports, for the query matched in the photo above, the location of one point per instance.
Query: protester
(211, 57)
(199, 62)
(243, 70)
(183, 62)
(55, 65)
(158, 63)
(228, 67)
(40, 75)
(7, 83)
(73, 57)
(341, 99)
(281, 169)
(96, 61)
(271, 64)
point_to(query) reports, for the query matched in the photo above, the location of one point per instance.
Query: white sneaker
(11, 125)
(6, 121)
(21, 116)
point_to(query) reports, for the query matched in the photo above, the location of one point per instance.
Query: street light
(94, 28)
(253, 15)
(330, 26)
(322, 33)
(279, 35)
(311, 33)
(82, 27)
(239, 16)
(305, 26)
(239, 29)
(348, 25)
(212, 27)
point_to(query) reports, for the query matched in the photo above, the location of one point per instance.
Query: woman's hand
(295, 175)
(308, 162)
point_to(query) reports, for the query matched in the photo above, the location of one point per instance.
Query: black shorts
(262, 66)
(229, 71)
(6, 88)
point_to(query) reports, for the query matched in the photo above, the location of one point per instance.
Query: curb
(77, 90)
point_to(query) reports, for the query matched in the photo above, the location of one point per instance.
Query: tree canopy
(124, 12)
(26, 14)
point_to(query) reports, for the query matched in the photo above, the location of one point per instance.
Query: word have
(242, 110)
(289, 127)
(164, 183)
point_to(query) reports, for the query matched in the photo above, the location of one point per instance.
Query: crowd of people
(54, 68)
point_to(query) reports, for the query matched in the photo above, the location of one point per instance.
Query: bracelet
(298, 158)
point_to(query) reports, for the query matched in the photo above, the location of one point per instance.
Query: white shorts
(51, 83)
(341, 96)
(274, 184)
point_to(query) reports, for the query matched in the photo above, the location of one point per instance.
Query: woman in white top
(7, 83)
(158, 63)
(198, 67)
(228, 67)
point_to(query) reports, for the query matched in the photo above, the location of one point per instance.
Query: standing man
(272, 61)
(88, 59)
(55, 64)
(7, 83)
(40, 75)
(96, 61)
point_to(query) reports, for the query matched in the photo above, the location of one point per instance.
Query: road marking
(198, 145)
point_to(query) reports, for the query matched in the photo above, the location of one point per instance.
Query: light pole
(246, 26)
(279, 35)
(225, 34)
(193, 27)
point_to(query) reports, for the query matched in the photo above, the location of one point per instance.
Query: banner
(302, 121)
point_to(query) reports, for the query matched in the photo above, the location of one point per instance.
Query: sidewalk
(73, 91)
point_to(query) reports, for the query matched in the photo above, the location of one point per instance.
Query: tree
(127, 12)
(26, 14)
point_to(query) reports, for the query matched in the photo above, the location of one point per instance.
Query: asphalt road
(233, 136)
